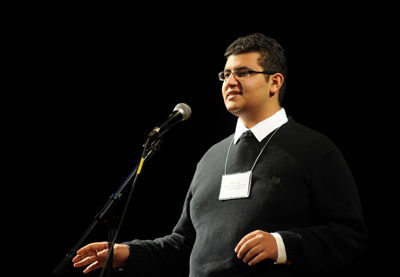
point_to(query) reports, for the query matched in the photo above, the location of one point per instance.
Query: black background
(85, 84)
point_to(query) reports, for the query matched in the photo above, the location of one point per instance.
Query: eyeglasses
(240, 74)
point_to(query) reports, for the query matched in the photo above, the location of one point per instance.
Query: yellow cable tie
(140, 166)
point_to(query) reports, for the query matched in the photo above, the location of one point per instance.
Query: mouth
(232, 94)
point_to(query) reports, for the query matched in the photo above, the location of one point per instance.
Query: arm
(170, 253)
(145, 256)
(336, 233)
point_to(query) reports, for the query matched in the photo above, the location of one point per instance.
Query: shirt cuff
(281, 249)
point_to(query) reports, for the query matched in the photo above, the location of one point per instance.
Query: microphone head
(184, 109)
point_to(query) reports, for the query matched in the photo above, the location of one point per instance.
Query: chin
(234, 111)
(232, 106)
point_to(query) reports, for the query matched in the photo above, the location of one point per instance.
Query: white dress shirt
(263, 128)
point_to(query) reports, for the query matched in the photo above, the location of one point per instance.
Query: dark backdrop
(85, 84)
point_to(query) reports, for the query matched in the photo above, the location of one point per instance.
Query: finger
(244, 240)
(92, 267)
(99, 262)
(258, 258)
(89, 250)
(78, 258)
(262, 247)
(252, 253)
(103, 254)
(92, 248)
(244, 248)
(85, 261)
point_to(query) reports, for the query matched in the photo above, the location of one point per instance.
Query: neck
(251, 121)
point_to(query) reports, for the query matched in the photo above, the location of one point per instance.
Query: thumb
(103, 253)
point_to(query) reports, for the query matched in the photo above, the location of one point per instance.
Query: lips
(232, 94)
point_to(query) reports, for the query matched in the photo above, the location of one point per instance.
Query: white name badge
(234, 186)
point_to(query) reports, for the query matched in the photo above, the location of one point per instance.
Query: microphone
(181, 112)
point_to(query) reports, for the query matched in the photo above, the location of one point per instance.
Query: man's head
(272, 56)
(252, 78)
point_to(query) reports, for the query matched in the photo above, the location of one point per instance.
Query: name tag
(234, 186)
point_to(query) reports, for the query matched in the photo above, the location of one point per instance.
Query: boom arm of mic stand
(100, 217)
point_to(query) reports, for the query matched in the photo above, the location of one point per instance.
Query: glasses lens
(221, 76)
(242, 73)
(224, 75)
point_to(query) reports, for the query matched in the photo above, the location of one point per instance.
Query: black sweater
(301, 188)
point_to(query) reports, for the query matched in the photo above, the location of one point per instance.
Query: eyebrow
(242, 67)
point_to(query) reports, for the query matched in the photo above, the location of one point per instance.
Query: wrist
(281, 251)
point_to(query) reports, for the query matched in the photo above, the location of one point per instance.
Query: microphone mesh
(184, 109)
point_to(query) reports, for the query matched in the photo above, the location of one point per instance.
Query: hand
(259, 245)
(95, 254)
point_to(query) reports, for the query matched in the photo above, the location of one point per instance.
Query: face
(248, 98)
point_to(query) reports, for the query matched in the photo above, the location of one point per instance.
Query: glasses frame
(222, 78)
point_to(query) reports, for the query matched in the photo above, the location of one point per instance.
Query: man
(278, 201)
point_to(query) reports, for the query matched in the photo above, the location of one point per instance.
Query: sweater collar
(263, 128)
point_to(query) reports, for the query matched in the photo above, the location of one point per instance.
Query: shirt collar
(263, 128)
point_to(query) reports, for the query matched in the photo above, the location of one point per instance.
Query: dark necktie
(247, 134)
(242, 157)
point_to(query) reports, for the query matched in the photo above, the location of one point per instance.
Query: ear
(276, 81)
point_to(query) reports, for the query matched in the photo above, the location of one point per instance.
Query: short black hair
(272, 58)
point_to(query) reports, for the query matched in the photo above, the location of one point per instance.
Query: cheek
(223, 89)
(259, 86)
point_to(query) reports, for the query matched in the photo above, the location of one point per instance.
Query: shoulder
(220, 147)
(217, 153)
(213, 161)
(304, 140)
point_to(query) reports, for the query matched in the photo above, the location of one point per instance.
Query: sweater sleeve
(167, 254)
(336, 233)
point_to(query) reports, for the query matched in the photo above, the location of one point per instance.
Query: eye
(227, 74)
(241, 73)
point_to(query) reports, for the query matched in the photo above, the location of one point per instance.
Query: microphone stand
(104, 213)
